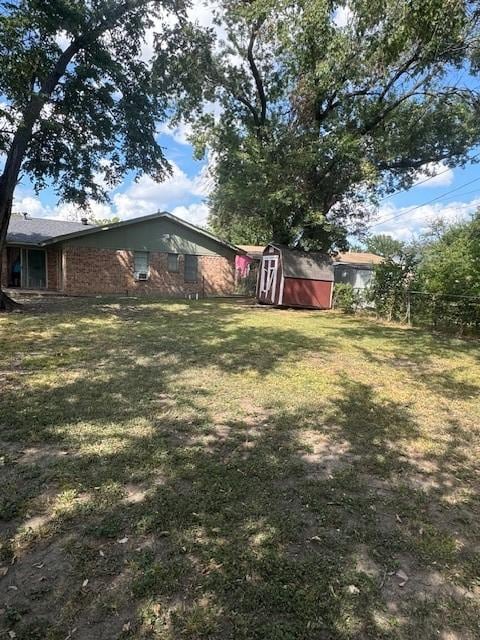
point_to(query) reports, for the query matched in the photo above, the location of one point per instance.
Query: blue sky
(184, 193)
(429, 201)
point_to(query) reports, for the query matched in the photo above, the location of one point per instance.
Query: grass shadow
(159, 515)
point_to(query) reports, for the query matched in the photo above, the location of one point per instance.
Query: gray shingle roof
(36, 230)
(308, 265)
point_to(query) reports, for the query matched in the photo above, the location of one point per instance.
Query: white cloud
(203, 12)
(342, 16)
(406, 223)
(179, 133)
(26, 203)
(180, 194)
(435, 174)
(63, 40)
(147, 196)
(196, 213)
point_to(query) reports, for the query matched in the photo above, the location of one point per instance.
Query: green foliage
(451, 262)
(96, 115)
(345, 297)
(435, 282)
(389, 288)
(304, 145)
(449, 272)
(247, 286)
(241, 230)
(384, 245)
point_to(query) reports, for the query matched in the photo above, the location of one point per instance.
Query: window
(141, 265)
(172, 262)
(191, 268)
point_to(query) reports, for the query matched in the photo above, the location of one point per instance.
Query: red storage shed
(292, 278)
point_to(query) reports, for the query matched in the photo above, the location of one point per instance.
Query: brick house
(156, 254)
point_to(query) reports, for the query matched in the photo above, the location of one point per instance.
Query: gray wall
(160, 234)
(358, 277)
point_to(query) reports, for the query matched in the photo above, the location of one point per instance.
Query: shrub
(390, 286)
(345, 298)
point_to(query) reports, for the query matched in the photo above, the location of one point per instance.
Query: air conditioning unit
(142, 275)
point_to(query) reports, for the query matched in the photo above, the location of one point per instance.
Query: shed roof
(34, 231)
(356, 257)
(308, 265)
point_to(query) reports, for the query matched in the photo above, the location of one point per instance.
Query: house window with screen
(172, 262)
(141, 265)
(191, 268)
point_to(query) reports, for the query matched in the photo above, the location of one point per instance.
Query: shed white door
(268, 277)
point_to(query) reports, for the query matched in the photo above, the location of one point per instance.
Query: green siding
(153, 235)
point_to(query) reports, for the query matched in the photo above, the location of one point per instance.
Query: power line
(417, 184)
(467, 193)
(419, 206)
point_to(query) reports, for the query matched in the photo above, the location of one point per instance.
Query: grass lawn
(209, 469)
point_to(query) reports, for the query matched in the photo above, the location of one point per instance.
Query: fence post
(409, 307)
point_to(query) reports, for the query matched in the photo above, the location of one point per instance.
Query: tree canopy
(318, 119)
(384, 245)
(80, 105)
(434, 280)
(99, 115)
(450, 260)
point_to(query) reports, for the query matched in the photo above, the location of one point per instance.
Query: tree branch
(255, 72)
(412, 164)
(250, 107)
(399, 73)
(391, 107)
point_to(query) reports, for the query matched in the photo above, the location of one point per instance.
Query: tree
(88, 106)
(450, 263)
(449, 275)
(434, 281)
(391, 284)
(241, 230)
(384, 245)
(318, 120)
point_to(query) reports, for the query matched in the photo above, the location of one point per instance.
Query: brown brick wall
(53, 258)
(218, 274)
(94, 271)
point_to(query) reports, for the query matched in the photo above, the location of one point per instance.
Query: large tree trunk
(6, 303)
(18, 149)
(8, 182)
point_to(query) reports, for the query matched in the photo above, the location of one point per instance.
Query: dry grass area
(214, 470)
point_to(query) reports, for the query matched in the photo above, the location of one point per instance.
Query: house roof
(308, 265)
(36, 231)
(42, 233)
(357, 258)
(254, 251)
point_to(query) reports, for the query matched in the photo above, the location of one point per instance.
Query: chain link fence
(453, 313)
(445, 312)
